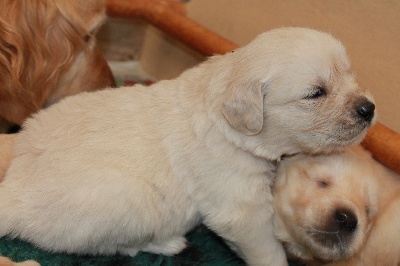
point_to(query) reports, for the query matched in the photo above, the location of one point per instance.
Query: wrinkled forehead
(306, 59)
(299, 48)
(324, 59)
(315, 165)
(344, 169)
(346, 175)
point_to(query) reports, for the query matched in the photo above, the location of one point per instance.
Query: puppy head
(44, 44)
(324, 205)
(291, 89)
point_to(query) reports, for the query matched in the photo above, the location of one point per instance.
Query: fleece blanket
(204, 249)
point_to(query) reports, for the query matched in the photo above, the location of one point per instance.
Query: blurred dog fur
(339, 209)
(7, 142)
(7, 262)
(150, 163)
(48, 52)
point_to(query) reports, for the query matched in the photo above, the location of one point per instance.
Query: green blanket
(205, 248)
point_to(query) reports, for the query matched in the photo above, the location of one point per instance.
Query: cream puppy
(134, 169)
(341, 208)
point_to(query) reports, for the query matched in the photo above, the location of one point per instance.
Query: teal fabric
(205, 248)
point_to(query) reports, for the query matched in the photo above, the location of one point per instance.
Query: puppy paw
(170, 247)
(128, 251)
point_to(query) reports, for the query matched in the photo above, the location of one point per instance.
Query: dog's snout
(365, 109)
(340, 227)
(345, 220)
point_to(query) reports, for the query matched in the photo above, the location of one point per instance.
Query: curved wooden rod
(384, 144)
(168, 16)
(163, 15)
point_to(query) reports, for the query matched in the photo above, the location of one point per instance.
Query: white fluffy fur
(136, 168)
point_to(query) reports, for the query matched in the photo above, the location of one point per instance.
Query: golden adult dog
(341, 208)
(47, 52)
(133, 169)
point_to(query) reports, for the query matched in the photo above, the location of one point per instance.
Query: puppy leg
(127, 251)
(170, 247)
(251, 235)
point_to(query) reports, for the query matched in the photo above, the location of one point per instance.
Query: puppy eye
(317, 93)
(368, 211)
(323, 184)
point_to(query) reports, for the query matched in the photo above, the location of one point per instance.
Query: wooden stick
(162, 16)
(384, 144)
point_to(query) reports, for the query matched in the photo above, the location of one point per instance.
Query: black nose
(366, 109)
(346, 220)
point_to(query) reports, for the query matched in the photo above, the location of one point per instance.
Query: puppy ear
(243, 108)
(92, 13)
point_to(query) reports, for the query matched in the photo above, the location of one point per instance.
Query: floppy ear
(91, 12)
(95, 14)
(243, 108)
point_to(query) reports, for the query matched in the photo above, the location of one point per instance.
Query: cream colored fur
(7, 262)
(136, 168)
(352, 180)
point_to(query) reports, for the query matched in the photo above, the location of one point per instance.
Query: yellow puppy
(341, 208)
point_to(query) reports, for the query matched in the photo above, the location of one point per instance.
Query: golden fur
(135, 168)
(309, 190)
(47, 52)
(7, 142)
(7, 262)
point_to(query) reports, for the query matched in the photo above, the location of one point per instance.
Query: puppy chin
(352, 138)
(338, 142)
(308, 250)
(339, 250)
(347, 132)
(353, 134)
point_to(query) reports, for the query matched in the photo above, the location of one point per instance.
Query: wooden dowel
(384, 144)
(174, 23)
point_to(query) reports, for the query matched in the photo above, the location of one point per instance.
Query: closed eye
(323, 184)
(316, 93)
